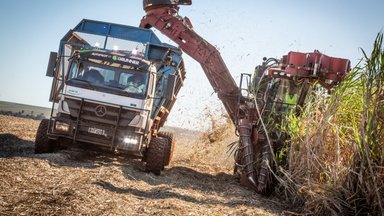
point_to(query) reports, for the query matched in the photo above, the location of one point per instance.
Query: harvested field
(73, 182)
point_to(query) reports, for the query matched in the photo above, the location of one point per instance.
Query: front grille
(88, 112)
(100, 128)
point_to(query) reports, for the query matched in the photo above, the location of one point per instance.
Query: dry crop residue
(73, 182)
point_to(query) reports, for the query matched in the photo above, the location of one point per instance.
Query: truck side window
(76, 71)
(73, 72)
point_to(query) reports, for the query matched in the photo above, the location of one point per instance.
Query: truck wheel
(42, 143)
(155, 155)
(168, 148)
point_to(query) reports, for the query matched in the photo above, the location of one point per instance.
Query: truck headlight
(131, 140)
(61, 126)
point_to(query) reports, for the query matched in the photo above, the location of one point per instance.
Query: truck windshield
(125, 81)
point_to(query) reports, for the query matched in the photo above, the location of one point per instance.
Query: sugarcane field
(174, 107)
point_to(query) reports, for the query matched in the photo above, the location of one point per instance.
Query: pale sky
(243, 30)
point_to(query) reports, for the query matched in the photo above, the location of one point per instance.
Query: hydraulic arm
(163, 15)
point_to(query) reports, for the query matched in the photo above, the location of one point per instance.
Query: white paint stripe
(104, 97)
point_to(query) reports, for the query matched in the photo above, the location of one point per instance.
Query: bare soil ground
(74, 182)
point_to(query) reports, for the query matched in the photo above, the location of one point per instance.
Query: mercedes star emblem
(100, 110)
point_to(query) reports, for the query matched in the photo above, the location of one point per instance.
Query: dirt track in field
(73, 182)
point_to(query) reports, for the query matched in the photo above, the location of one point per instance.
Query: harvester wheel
(169, 147)
(155, 155)
(42, 143)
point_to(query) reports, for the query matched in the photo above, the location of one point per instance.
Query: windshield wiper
(89, 85)
(113, 86)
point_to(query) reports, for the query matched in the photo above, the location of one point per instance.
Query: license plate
(97, 131)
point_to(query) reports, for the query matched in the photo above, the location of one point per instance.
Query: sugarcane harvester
(258, 96)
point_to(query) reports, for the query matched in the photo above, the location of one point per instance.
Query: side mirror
(170, 87)
(51, 64)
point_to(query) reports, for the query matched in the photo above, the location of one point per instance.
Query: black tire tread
(155, 155)
(169, 147)
(42, 143)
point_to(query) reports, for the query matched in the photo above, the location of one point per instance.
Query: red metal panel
(296, 63)
(313, 58)
(340, 67)
(325, 62)
(313, 65)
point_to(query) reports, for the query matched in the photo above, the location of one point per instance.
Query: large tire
(155, 155)
(42, 143)
(169, 147)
